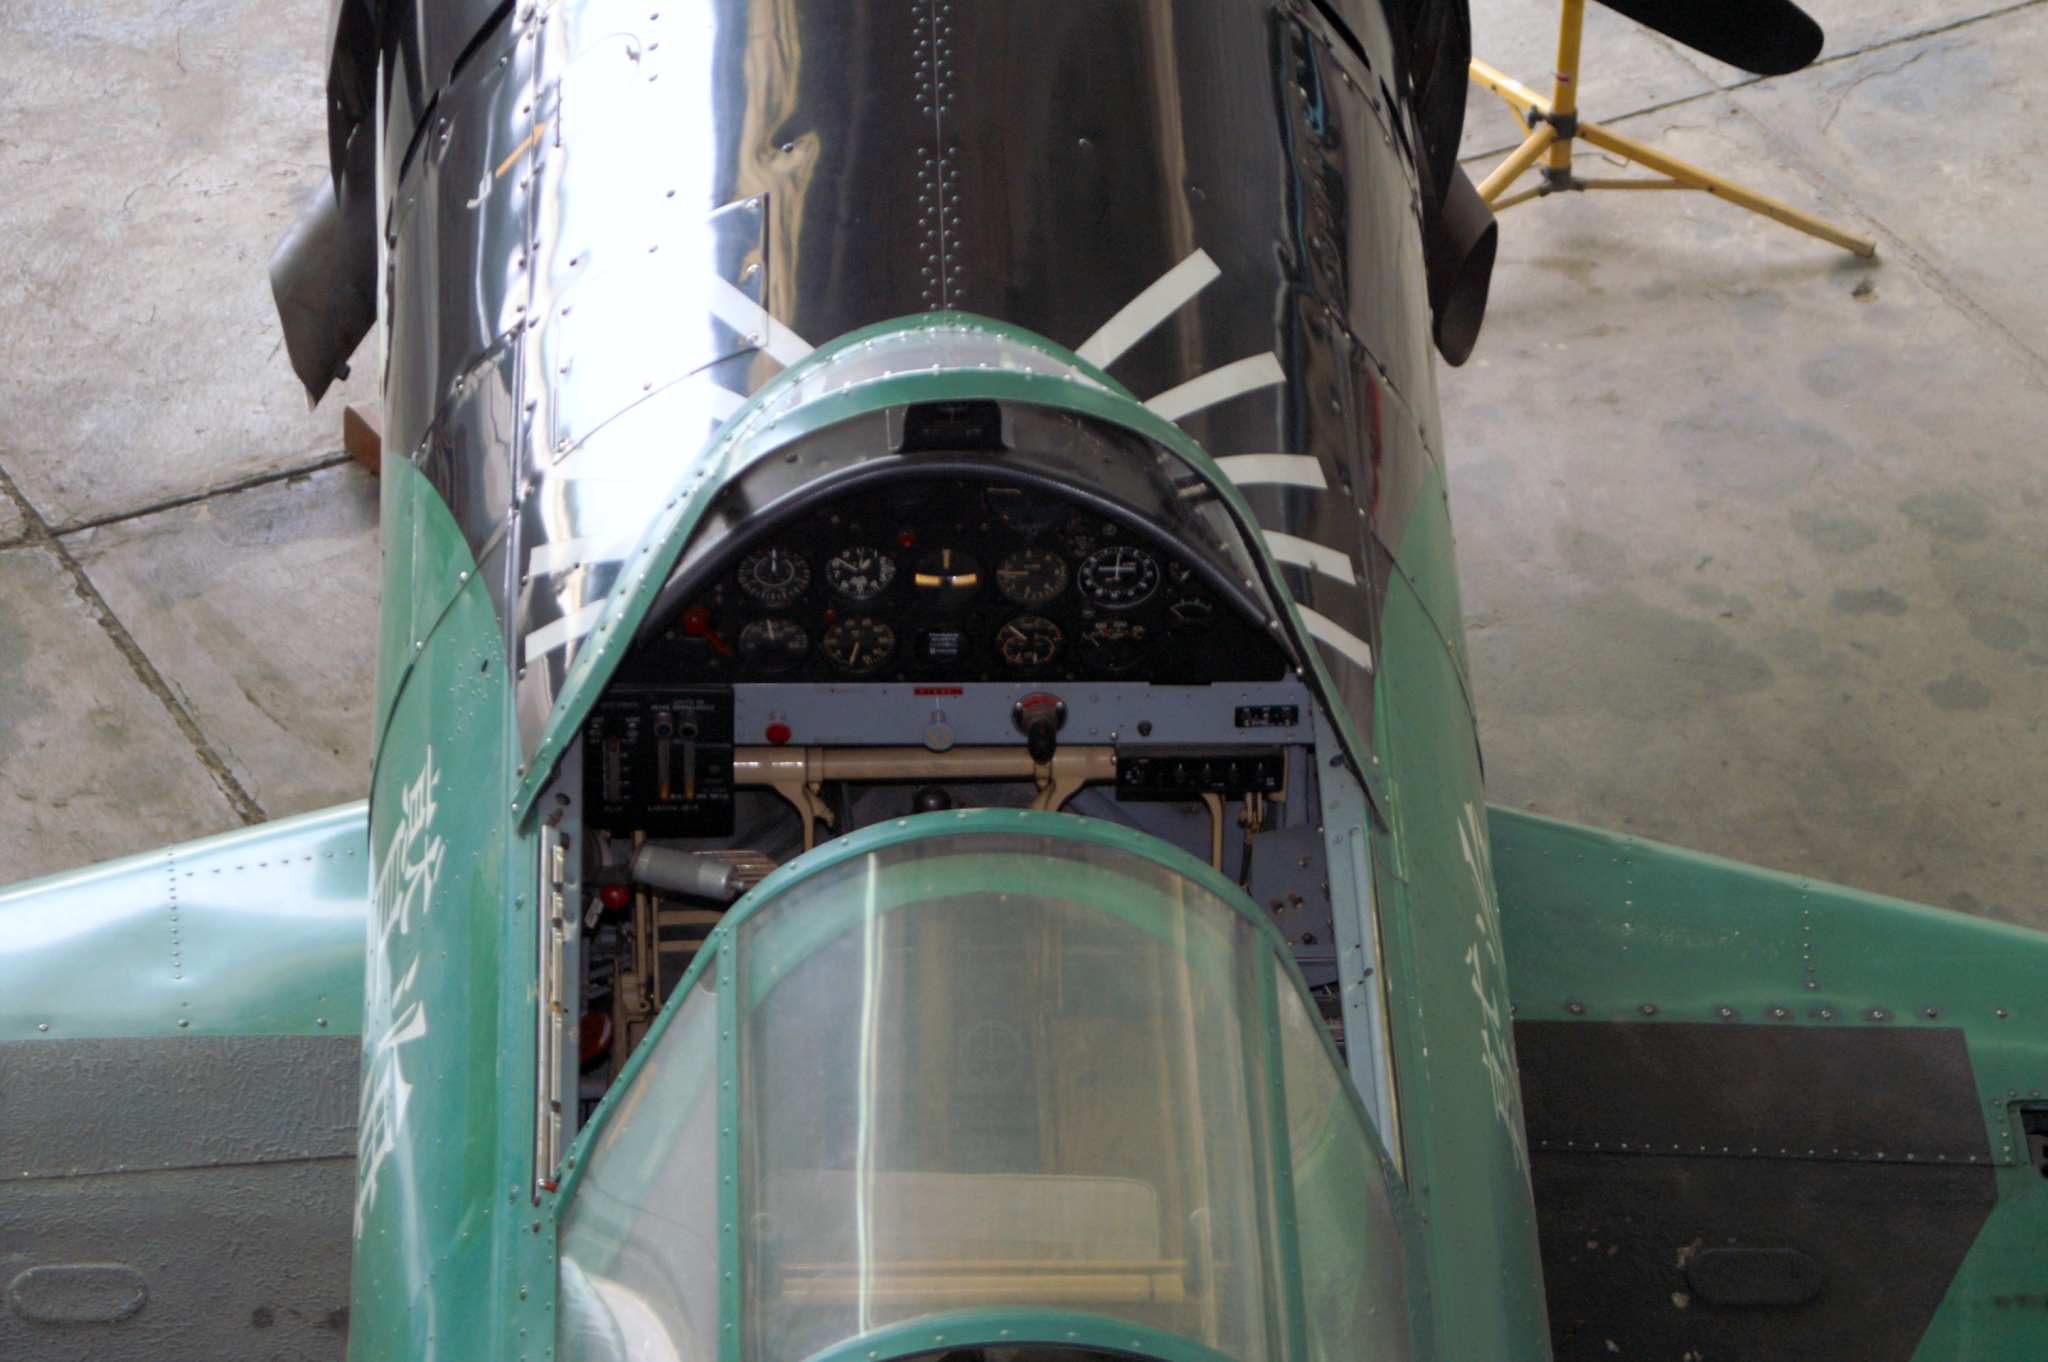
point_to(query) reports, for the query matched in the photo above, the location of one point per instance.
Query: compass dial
(860, 572)
(859, 644)
(1119, 576)
(774, 576)
(1032, 576)
(1028, 641)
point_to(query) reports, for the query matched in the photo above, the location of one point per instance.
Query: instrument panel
(962, 580)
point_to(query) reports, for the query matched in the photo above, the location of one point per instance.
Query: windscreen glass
(981, 1073)
(1032, 1088)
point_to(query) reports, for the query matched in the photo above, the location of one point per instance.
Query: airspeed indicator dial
(1032, 576)
(859, 572)
(859, 645)
(1119, 576)
(774, 576)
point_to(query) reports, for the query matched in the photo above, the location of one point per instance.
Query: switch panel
(658, 759)
(1155, 773)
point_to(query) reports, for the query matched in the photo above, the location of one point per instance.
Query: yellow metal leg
(1691, 175)
(1519, 97)
(1564, 89)
(1519, 160)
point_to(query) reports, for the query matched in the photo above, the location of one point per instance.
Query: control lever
(1039, 717)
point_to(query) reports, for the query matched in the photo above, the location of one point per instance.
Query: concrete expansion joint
(248, 484)
(38, 534)
(1494, 153)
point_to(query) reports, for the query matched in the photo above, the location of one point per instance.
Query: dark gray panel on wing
(182, 1197)
(78, 1107)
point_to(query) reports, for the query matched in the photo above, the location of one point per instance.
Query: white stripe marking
(1327, 631)
(555, 633)
(1219, 385)
(1289, 470)
(1304, 553)
(1166, 295)
(751, 320)
(561, 553)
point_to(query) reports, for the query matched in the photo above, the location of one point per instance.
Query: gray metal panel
(70, 1108)
(185, 1197)
(232, 1264)
(1887, 1094)
(979, 713)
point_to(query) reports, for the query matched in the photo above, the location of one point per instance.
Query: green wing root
(180, 1039)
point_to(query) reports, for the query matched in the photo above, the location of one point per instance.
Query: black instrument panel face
(961, 580)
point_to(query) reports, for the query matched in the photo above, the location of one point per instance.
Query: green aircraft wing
(1770, 1117)
(179, 1045)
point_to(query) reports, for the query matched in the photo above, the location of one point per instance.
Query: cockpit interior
(922, 638)
(1032, 757)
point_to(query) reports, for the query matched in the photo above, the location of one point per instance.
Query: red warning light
(906, 540)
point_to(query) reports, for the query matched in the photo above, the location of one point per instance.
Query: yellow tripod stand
(1553, 124)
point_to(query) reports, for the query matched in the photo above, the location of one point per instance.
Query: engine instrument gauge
(774, 576)
(859, 645)
(1114, 645)
(1032, 576)
(1192, 613)
(774, 644)
(1028, 641)
(946, 577)
(1119, 576)
(860, 572)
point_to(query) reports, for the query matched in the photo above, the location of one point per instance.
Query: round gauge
(1192, 613)
(860, 573)
(860, 644)
(1025, 512)
(1080, 533)
(946, 577)
(1119, 576)
(774, 576)
(1114, 645)
(1028, 641)
(1032, 576)
(772, 644)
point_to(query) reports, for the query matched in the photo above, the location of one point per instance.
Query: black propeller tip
(1763, 37)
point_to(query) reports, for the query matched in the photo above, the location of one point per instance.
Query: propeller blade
(1765, 37)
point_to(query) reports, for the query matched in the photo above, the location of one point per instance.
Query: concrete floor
(1752, 534)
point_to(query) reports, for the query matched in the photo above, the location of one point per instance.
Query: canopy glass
(1019, 1075)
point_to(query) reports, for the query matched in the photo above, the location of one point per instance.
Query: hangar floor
(1753, 534)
